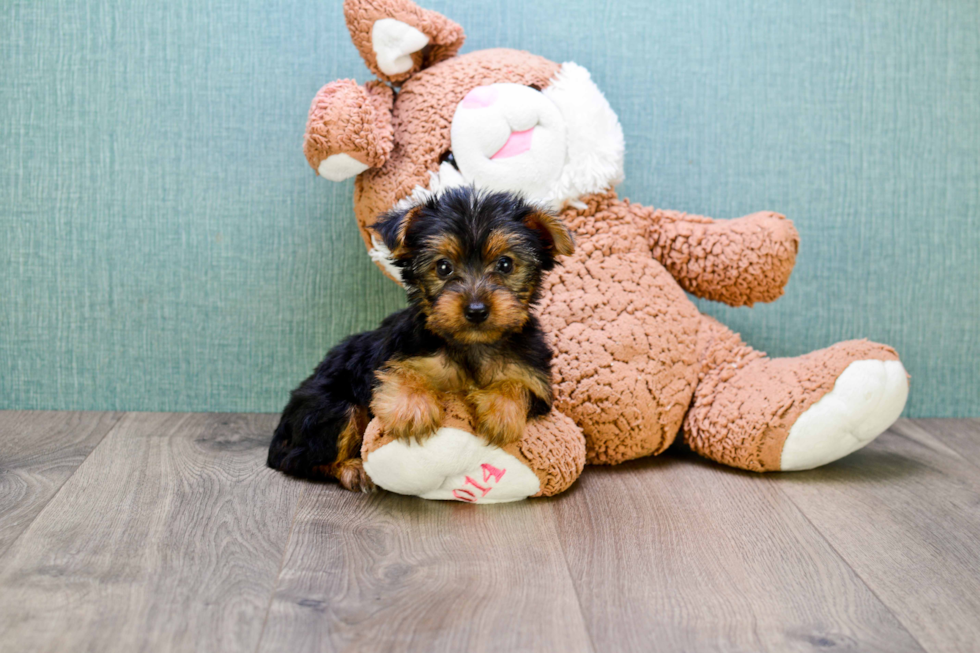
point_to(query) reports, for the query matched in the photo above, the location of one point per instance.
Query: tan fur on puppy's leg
(501, 411)
(352, 476)
(348, 468)
(406, 405)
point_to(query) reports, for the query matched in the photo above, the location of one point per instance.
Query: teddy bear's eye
(447, 157)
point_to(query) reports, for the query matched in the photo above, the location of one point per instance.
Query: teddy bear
(636, 363)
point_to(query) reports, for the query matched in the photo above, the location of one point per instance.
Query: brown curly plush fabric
(349, 119)
(624, 335)
(555, 449)
(445, 36)
(739, 262)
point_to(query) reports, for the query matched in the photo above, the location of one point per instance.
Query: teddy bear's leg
(763, 414)
(455, 464)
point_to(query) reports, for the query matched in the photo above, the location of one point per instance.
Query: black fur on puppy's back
(307, 434)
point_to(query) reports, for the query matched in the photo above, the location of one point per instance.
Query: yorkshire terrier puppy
(472, 264)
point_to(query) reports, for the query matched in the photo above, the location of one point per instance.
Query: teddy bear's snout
(509, 137)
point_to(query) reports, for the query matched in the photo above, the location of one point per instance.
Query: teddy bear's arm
(738, 262)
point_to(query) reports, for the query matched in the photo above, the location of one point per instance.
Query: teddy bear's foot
(867, 398)
(454, 464)
(788, 414)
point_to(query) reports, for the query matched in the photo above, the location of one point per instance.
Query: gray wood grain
(679, 554)
(38, 452)
(961, 435)
(905, 514)
(172, 536)
(390, 573)
(169, 537)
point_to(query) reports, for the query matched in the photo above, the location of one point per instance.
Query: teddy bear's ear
(397, 38)
(349, 129)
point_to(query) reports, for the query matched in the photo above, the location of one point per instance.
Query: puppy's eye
(534, 86)
(505, 265)
(444, 268)
(447, 157)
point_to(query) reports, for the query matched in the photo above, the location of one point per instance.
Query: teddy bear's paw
(452, 465)
(867, 398)
(340, 166)
(394, 43)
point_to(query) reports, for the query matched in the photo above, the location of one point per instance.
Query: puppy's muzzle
(476, 312)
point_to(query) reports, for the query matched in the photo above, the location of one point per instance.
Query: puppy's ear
(557, 238)
(393, 229)
(397, 38)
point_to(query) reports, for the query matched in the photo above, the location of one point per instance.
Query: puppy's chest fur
(475, 368)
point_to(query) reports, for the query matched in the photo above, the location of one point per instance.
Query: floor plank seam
(946, 449)
(857, 575)
(568, 570)
(282, 564)
(115, 425)
(954, 450)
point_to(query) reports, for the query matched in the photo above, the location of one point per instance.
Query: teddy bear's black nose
(476, 312)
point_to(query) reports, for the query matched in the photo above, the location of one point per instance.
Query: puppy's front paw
(420, 418)
(501, 416)
(407, 413)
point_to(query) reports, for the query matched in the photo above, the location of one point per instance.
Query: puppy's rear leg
(348, 468)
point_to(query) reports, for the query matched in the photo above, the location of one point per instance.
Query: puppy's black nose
(476, 312)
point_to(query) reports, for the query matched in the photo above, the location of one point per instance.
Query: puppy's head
(473, 261)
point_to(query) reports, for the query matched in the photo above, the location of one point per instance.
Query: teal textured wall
(164, 246)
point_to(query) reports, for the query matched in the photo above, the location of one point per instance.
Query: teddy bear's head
(499, 119)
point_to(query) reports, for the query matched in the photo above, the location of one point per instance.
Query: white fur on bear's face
(590, 160)
(508, 137)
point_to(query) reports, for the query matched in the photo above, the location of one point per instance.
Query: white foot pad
(452, 465)
(338, 167)
(394, 42)
(867, 398)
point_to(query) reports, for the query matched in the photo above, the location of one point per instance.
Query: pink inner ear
(479, 97)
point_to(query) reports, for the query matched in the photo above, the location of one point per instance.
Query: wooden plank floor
(165, 532)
